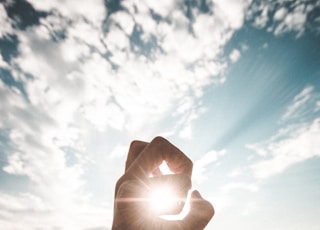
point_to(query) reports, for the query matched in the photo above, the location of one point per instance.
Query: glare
(162, 199)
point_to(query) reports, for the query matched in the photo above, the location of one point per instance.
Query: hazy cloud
(240, 185)
(318, 106)
(201, 165)
(292, 144)
(301, 145)
(234, 55)
(298, 103)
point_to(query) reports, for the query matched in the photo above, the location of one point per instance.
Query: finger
(163, 195)
(152, 156)
(201, 212)
(135, 149)
(129, 205)
(156, 172)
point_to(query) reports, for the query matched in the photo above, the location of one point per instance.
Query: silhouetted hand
(131, 206)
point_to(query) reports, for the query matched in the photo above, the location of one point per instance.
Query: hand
(131, 206)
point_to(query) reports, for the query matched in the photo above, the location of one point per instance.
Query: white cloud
(162, 7)
(45, 166)
(298, 102)
(119, 151)
(317, 106)
(5, 22)
(234, 55)
(200, 166)
(186, 132)
(72, 50)
(178, 42)
(235, 173)
(288, 16)
(263, 18)
(240, 185)
(294, 21)
(3, 63)
(93, 10)
(117, 40)
(34, 213)
(302, 144)
(24, 202)
(15, 164)
(80, 35)
(249, 209)
(294, 142)
(11, 103)
(280, 13)
(35, 137)
(124, 20)
(257, 149)
(232, 11)
(222, 202)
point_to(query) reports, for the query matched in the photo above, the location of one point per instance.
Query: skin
(131, 208)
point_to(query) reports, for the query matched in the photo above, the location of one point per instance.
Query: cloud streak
(301, 145)
(201, 165)
(293, 144)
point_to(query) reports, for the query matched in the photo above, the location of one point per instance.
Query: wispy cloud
(298, 103)
(3, 63)
(33, 212)
(293, 21)
(293, 143)
(318, 106)
(240, 185)
(235, 55)
(284, 17)
(300, 145)
(201, 165)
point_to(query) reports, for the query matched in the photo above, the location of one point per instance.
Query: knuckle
(189, 163)
(211, 210)
(159, 140)
(134, 143)
(160, 144)
(207, 209)
(119, 183)
(125, 188)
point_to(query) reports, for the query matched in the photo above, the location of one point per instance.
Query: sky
(235, 84)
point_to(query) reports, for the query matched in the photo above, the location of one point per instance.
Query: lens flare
(167, 192)
(162, 199)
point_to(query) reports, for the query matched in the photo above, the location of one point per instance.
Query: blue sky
(235, 84)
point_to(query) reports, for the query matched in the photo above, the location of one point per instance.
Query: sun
(166, 196)
(162, 199)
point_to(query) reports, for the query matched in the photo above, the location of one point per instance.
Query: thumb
(201, 212)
